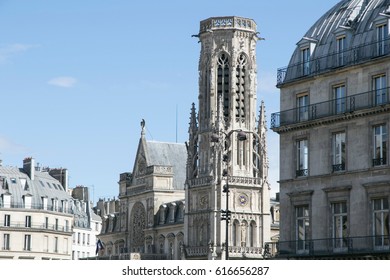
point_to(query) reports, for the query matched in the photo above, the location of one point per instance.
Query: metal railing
(39, 226)
(352, 56)
(334, 107)
(39, 206)
(358, 245)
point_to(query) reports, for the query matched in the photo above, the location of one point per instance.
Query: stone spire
(262, 132)
(192, 145)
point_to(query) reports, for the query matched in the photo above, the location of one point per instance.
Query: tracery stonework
(138, 221)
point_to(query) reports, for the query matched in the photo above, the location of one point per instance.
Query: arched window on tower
(223, 83)
(241, 86)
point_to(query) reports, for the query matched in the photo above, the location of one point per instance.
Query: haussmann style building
(333, 127)
(39, 219)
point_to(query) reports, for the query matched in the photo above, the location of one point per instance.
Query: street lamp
(226, 214)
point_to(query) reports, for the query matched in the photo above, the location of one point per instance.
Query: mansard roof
(18, 183)
(354, 18)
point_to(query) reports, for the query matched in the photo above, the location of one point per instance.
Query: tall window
(340, 225)
(302, 228)
(380, 145)
(6, 241)
(338, 151)
(305, 58)
(56, 224)
(339, 99)
(27, 242)
(302, 158)
(380, 211)
(340, 51)
(7, 220)
(223, 83)
(28, 221)
(303, 107)
(380, 89)
(240, 86)
(381, 33)
(56, 244)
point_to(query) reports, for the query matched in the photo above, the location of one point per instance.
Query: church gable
(140, 163)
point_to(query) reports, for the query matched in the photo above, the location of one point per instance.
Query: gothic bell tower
(227, 165)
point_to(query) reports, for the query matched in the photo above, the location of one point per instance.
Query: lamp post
(226, 214)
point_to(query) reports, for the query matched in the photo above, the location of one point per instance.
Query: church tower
(227, 163)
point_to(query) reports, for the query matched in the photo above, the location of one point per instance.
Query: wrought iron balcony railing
(338, 167)
(37, 227)
(39, 206)
(352, 56)
(302, 173)
(334, 107)
(379, 161)
(359, 245)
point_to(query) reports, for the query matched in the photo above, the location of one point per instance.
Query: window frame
(340, 49)
(6, 241)
(302, 105)
(384, 242)
(379, 89)
(340, 235)
(339, 147)
(302, 157)
(382, 145)
(302, 238)
(305, 60)
(339, 98)
(27, 242)
(382, 31)
(7, 220)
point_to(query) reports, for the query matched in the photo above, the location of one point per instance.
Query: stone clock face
(243, 199)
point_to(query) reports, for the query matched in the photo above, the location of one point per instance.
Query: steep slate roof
(43, 185)
(354, 16)
(169, 154)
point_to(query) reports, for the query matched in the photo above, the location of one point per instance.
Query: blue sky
(77, 77)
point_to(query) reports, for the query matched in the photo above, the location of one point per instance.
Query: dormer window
(341, 48)
(381, 36)
(306, 47)
(305, 59)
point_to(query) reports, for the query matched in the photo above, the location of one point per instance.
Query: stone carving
(138, 220)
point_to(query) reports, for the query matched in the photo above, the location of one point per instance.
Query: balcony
(334, 247)
(356, 55)
(37, 227)
(336, 108)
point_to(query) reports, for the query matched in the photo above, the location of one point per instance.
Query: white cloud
(7, 51)
(66, 82)
(9, 146)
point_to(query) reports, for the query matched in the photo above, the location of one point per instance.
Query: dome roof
(354, 19)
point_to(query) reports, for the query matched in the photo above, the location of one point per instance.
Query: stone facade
(217, 158)
(170, 206)
(39, 219)
(334, 170)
